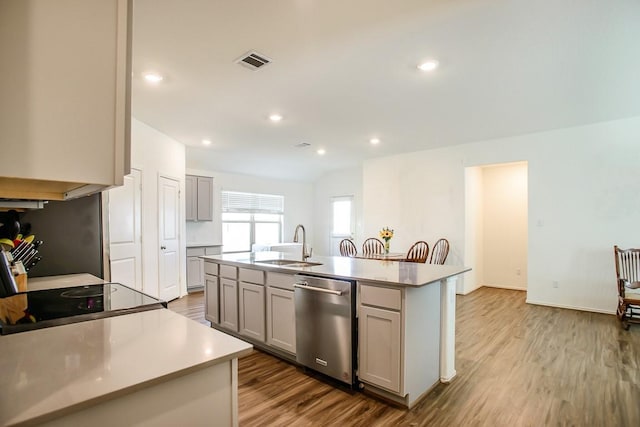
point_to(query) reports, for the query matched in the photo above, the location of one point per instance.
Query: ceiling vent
(253, 60)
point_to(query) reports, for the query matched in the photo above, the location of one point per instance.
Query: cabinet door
(281, 319)
(379, 347)
(229, 304)
(195, 272)
(205, 193)
(191, 197)
(251, 304)
(65, 93)
(211, 308)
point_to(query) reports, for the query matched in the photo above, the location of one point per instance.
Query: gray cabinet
(228, 288)
(195, 265)
(211, 293)
(251, 303)
(379, 337)
(379, 344)
(199, 198)
(281, 319)
(229, 304)
(251, 310)
(65, 100)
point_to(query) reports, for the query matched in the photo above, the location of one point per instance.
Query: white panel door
(125, 238)
(169, 238)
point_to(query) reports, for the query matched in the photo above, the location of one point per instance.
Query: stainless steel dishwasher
(325, 326)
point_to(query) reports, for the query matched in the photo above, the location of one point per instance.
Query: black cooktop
(54, 307)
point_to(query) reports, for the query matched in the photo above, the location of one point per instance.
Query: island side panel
(421, 341)
(204, 397)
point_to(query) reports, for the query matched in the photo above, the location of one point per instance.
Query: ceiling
(345, 71)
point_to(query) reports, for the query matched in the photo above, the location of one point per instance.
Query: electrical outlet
(518, 272)
(555, 283)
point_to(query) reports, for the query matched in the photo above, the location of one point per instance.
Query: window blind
(233, 201)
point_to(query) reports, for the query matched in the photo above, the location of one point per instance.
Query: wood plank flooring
(517, 364)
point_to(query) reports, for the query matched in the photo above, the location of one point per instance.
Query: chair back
(439, 252)
(627, 267)
(418, 252)
(372, 246)
(348, 248)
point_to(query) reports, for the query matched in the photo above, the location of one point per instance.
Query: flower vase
(386, 247)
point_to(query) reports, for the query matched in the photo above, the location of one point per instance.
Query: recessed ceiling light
(206, 142)
(374, 141)
(153, 77)
(275, 117)
(429, 65)
(321, 151)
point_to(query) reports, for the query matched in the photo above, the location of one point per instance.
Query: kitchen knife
(23, 249)
(33, 263)
(28, 256)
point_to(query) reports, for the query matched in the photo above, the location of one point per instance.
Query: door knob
(163, 247)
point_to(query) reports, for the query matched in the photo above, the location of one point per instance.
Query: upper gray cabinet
(199, 198)
(65, 105)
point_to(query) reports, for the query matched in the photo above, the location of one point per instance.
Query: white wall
(346, 182)
(156, 154)
(504, 225)
(583, 199)
(474, 236)
(298, 204)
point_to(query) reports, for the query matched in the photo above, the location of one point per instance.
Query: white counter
(57, 371)
(393, 273)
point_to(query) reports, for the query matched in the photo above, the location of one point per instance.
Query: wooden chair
(628, 278)
(372, 246)
(440, 252)
(418, 252)
(348, 248)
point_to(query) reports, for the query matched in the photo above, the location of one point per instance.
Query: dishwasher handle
(304, 285)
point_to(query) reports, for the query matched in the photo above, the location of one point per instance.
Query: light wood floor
(517, 364)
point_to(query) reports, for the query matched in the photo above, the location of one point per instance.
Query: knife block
(12, 308)
(21, 282)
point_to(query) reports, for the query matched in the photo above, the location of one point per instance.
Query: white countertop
(407, 274)
(53, 371)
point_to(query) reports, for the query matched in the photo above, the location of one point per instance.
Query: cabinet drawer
(251, 276)
(210, 268)
(279, 280)
(229, 271)
(213, 250)
(381, 297)
(195, 251)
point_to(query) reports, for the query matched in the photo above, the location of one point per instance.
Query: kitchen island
(149, 368)
(405, 314)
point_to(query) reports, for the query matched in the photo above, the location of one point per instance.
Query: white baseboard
(570, 307)
(513, 288)
(468, 291)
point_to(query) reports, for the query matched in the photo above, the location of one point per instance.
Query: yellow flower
(386, 234)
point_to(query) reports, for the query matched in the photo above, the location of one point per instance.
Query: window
(249, 218)
(343, 216)
(343, 221)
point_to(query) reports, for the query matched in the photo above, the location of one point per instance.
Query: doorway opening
(496, 226)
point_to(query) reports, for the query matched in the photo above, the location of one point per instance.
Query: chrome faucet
(305, 254)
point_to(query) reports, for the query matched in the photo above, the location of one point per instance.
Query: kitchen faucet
(305, 255)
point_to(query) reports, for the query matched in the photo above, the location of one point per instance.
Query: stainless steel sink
(289, 262)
